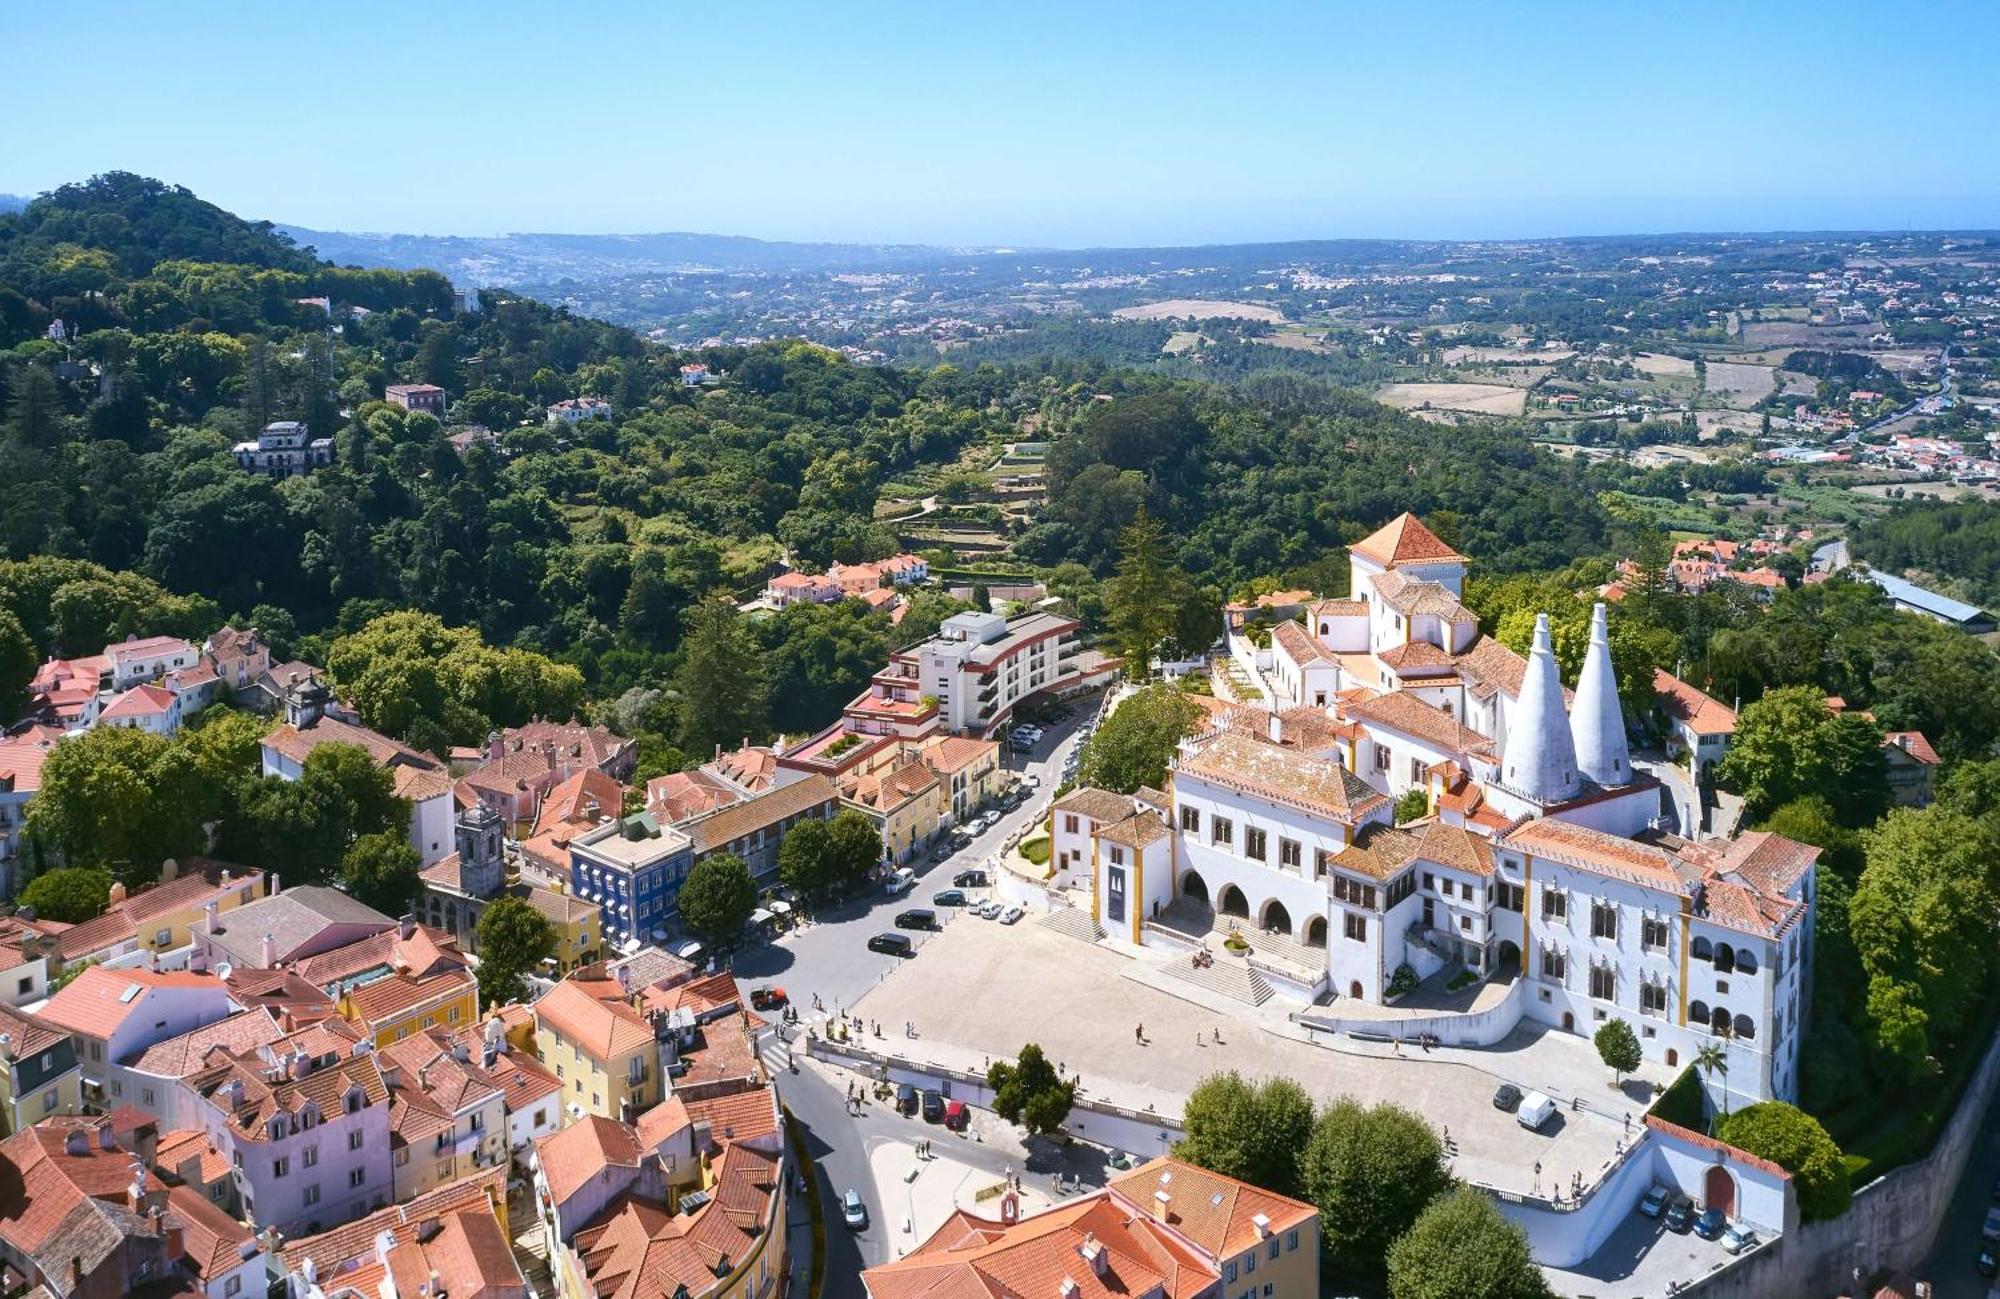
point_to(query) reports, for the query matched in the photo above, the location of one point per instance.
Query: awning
(762, 917)
(781, 908)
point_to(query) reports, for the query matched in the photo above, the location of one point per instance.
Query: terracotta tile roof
(584, 799)
(573, 741)
(213, 1240)
(1685, 704)
(1378, 852)
(1338, 609)
(201, 881)
(520, 1077)
(951, 753)
(263, 1098)
(1457, 848)
(1914, 743)
(639, 1251)
(1489, 666)
(467, 1258)
(178, 1057)
(719, 829)
(1299, 645)
(426, 951)
(1097, 804)
(31, 1035)
(21, 758)
(754, 766)
(139, 648)
(1136, 831)
(1401, 711)
(663, 1123)
(294, 1001)
(100, 999)
(1416, 657)
(650, 967)
(682, 794)
(384, 1000)
(62, 1197)
(1405, 540)
(429, 1070)
(335, 1252)
(573, 1157)
(188, 1153)
(595, 1016)
(563, 908)
(1240, 762)
(297, 743)
(743, 1116)
(96, 934)
(1600, 853)
(1694, 1138)
(1415, 599)
(1217, 1213)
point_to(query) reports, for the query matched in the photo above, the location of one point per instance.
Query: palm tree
(1712, 1059)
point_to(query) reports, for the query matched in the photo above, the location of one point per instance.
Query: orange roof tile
(1405, 540)
(596, 1017)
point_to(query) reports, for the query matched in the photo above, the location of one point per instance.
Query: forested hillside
(1955, 545)
(594, 548)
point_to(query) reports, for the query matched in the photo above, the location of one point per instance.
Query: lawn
(1036, 849)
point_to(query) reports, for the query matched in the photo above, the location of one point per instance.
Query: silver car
(852, 1211)
(1012, 915)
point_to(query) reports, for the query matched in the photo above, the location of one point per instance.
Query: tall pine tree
(724, 694)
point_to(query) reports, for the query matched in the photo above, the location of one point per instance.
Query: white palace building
(1541, 864)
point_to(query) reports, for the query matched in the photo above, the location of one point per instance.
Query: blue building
(632, 869)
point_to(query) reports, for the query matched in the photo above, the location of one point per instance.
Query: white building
(283, 449)
(976, 669)
(1538, 860)
(575, 410)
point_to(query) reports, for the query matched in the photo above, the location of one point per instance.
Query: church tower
(1596, 721)
(482, 864)
(1539, 761)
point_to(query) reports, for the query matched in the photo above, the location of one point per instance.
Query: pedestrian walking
(1139, 1035)
(1218, 1035)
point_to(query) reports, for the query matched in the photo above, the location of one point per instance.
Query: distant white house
(577, 409)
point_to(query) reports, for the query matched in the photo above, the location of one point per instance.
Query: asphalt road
(828, 956)
(1950, 1269)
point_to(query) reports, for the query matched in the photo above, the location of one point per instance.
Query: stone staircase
(1225, 978)
(1074, 921)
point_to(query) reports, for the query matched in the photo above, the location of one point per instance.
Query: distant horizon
(1034, 124)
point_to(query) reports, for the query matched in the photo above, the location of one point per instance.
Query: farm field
(1199, 309)
(1743, 385)
(1663, 367)
(1466, 398)
(1510, 355)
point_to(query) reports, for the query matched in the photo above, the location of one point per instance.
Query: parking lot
(980, 990)
(1641, 1257)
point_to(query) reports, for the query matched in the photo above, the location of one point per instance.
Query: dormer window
(354, 1101)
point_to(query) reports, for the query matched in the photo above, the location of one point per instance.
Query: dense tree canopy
(1462, 1248)
(1134, 745)
(1794, 1140)
(1256, 1131)
(1370, 1171)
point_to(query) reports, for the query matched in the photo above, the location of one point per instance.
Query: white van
(1535, 1112)
(900, 883)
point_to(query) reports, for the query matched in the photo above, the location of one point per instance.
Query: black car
(969, 880)
(917, 918)
(892, 944)
(933, 1107)
(1710, 1224)
(1680, 1214)
(906, 1099)
(948, 898)
(1508, 1098)
(1985, 1262)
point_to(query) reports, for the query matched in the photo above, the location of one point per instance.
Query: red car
(956, 1116)
(768, 998)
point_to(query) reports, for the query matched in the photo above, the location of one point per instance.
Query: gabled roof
(1405, 540)
(1378, 852)
(1217, 1213)
(1456, 848)
(30, 1035)
(332, 1252)
(1694, 709)
(585, 798)
(1401, 711)
(720, 829)
(178, 1057)
(140, 701)
(637, 1250)
(1244, 763)
(1097, 804)
(573, 1157)
(214, 1242)
(101, 999)
(595, 1016)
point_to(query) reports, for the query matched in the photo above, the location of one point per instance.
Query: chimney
(209, 911)
(1092, 1250)
(273, 891)
(169, 871)
(76, 1142)
(108, 1140)
(1275, 726)
(1262, 1222)
(406, 928)
(76, 1275)
(6, 1046)
(225, 877)
(1068, 1288)
(1160, 1202)
(117, 892)
(496, 748)
(268, 950)
(1597, 719)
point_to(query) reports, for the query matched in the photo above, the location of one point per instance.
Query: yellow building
(41, 1074)
(969, 768)
(576, 925)
(902, 797)
(402, 1005)
(605, 1053)
(447, 1116)
(161, 918)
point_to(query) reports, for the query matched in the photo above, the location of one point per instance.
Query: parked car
(1990, 1229)
(917, 918)
(933, 1107)
(1736, 1238)
(1985, 1262)
(942, 852)
(892, 944)
(1680, 1214)
(960, 839)
(1710, 1224)
(906, 1099)
(1535, 1112)
(852, 1211)
(948, 898)
(900, 883)
(957, 1116)
(989, 909)
(768, 998)
(1655, 1202)
(1011, 915)
(1507, 1097)
(986, 821)
(1032, 781)
(972, 879)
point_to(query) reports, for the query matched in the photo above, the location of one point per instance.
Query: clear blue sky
(998, 122)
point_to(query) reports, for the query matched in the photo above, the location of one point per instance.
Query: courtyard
(979, 991)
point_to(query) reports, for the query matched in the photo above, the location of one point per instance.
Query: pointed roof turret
(1405, 540)
(1540, 758)
(1596, 720)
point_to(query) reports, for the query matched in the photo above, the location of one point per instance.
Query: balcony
(1437, 942)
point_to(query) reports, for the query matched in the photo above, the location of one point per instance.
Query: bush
(1794, 1140)
(1414, 805)
(1403, 982)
